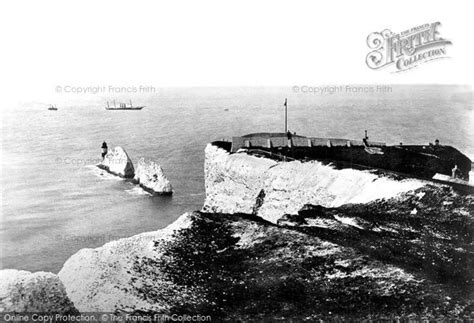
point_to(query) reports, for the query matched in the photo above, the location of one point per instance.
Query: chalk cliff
(98, 279)
(150, 176)
(118, 163)
(248, 184)
(348, 245)
(23, 291)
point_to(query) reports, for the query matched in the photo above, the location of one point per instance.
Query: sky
(216, 43)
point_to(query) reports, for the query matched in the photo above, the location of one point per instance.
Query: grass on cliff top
(435, 241)
(274, 278)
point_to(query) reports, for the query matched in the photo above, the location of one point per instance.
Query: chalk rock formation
(151, 177)
(118, 163)
(234, 183)
(23, 291)
(100, 279)
(238, 267)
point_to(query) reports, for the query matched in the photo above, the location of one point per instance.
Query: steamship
(123, 106)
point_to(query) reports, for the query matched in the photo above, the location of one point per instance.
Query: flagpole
(286, 115)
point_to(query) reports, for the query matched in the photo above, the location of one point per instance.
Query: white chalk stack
(118, 163)
(150, 176)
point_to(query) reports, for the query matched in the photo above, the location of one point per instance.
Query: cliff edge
(291, 240)
(241, 183)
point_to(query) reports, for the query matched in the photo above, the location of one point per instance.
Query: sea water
(56, 202)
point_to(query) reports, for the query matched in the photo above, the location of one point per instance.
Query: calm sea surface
(55, 201)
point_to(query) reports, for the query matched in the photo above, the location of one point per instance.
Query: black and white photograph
(238, 161)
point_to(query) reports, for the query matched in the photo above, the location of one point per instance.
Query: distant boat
(123, 106)
(52, 107)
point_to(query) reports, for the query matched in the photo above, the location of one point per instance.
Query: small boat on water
(123, 106)
(52, 108)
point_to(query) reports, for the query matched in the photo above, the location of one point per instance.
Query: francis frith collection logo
(406, 50)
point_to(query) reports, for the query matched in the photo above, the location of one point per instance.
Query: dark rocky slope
(388, 260)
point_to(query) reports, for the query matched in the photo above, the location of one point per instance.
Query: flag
(285, 104)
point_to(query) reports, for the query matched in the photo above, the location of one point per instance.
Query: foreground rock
(118, 163)
(99, 279)
(234, 182)
(238, 267)
(150, 176)
(430, 229)
(23, 291)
